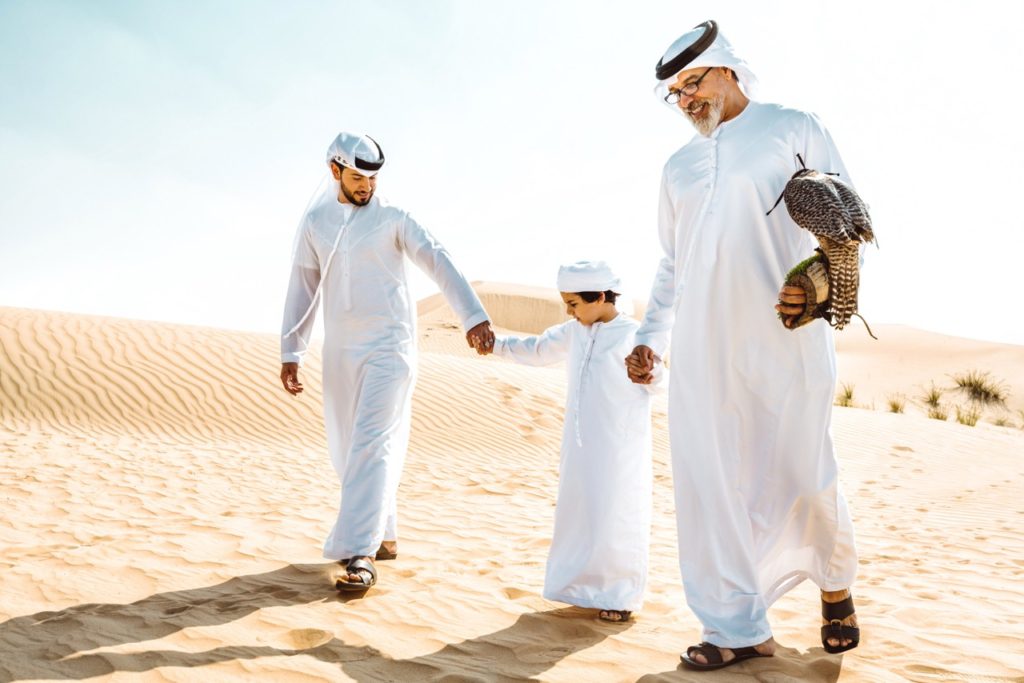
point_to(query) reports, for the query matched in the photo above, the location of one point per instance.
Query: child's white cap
(587, 276)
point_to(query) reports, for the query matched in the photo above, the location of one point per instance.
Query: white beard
(712, 117)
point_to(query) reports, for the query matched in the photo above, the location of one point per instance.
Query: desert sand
(164, 502)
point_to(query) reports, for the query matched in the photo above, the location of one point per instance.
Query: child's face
(586, 313)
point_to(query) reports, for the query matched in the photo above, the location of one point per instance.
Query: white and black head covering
(587, 276)
(702, 46)
(361, 153)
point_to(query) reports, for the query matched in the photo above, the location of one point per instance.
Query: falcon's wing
(857, 209)
(815, 205)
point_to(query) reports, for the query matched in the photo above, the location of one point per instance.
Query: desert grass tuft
(1002, 421)
(932, 397)
(938, 412)
(980, 388)
(968, 415)
(845, 396)
(896, 403)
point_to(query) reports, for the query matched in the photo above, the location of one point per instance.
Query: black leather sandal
(835, 612)
(364, 569)
(713, 654)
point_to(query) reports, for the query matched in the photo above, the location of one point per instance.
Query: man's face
(355, 187)
(704, 107)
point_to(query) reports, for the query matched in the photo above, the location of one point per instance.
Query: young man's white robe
(369, 352)
(598, 554)
(757, 499)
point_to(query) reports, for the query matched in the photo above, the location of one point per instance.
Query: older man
(757, 497)
(351, 249)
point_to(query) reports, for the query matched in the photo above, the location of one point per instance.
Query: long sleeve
(433, 259)
(820, 151)
(550, 346)
(656, 327)
(660, 383)
(302, 287)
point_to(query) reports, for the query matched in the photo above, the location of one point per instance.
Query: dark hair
(591, 297)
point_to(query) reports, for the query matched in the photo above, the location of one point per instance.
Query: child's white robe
(599, 548)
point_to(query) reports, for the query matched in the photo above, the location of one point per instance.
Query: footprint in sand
(516, 593)
(306, 638)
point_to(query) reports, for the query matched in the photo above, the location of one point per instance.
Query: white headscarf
(587, 276)
(719, 53)
(361, 153)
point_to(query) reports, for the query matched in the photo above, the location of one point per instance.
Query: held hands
(640, 364)
(792, 302)
(481, 338)
(290, 378)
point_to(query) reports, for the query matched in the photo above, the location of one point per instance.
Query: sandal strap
(712, 653)
(833, 611)
(364, 565)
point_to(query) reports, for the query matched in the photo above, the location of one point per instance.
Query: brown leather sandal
(384, 554)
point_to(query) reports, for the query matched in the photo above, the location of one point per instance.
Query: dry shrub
(979, 387)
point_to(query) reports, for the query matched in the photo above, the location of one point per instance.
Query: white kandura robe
(369, 352)
(750, 403)
(599, 548)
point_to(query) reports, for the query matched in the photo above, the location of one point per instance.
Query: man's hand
(290, 378)
(481, 338)
(640, 365)
(792, 302)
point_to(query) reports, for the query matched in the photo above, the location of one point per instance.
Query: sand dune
(164, 504)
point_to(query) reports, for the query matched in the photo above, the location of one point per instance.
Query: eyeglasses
(688, 90)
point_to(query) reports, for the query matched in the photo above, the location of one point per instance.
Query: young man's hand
(481, 338)
(290, 378)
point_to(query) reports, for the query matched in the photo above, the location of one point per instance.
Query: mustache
(695, 105)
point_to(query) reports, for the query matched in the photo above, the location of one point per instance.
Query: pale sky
(155, 157)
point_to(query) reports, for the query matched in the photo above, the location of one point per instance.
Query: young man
(351, 251)
(757, 496)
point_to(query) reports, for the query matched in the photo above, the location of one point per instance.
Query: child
(598, 554)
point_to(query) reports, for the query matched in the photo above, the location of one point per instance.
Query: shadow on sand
(787, 665)
(47, 644)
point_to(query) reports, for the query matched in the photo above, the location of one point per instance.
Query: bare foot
(767, 648)
(614, 615)
(839, 596)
